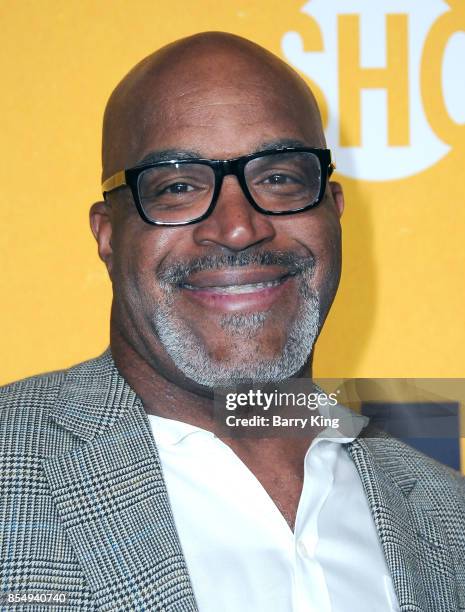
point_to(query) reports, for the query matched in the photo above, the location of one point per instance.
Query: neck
(160, 395)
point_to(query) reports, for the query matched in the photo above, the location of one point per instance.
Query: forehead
(219, 120)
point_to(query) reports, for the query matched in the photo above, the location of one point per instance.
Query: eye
(176, 188)
(279, 179)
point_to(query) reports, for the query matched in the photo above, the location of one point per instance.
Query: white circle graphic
(374, 159)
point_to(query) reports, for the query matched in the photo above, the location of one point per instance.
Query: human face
(240, 295)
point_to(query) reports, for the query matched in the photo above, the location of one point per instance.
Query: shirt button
(302, 549)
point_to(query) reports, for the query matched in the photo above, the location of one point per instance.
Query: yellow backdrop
(400, 308)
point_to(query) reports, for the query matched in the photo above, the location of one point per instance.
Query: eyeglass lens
(177, 193)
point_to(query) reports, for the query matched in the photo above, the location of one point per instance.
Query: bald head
(211, 68)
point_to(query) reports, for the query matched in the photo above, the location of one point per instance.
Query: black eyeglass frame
(221, 168)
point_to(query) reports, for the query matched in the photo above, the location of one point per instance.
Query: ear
(100, 223)
(338, 196)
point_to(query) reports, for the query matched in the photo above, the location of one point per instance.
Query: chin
(246, 348)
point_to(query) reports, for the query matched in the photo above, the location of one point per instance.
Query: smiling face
(240, 295)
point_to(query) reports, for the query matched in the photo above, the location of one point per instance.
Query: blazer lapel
(412, 536)
(111, 496)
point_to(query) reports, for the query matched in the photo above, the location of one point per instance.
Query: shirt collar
(350, 424)
(170, 431)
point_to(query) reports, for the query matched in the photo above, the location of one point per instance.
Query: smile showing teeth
(236, 289)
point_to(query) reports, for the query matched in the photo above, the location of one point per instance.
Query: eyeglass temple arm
(115, 181)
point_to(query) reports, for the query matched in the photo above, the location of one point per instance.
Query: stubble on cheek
(135, 297)
(328, 271)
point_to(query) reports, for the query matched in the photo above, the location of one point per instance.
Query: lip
(240, 289)
(235, 276)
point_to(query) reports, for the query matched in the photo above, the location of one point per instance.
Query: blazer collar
(410, 529)
(109, 491)
(378, 446)
(93, 396)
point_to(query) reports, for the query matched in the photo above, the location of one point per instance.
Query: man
(119, 489)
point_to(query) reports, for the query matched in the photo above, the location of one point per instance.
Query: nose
(234, 224)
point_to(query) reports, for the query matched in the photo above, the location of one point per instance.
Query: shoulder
(25, 424)
(42, 389)
(29, 397)
(30, 388)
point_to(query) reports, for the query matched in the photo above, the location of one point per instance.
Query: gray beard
(191, 357)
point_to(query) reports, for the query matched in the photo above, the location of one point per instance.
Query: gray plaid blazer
(84, 507)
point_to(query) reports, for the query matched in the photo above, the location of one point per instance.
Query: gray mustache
(178, 272)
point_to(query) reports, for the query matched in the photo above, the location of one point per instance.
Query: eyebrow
(281, 143)
(169, 154)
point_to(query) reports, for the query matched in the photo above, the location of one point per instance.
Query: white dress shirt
(241, 554)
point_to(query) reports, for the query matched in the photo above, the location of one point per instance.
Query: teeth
(250, 288)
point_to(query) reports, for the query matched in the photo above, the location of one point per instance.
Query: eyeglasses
(281, 181)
